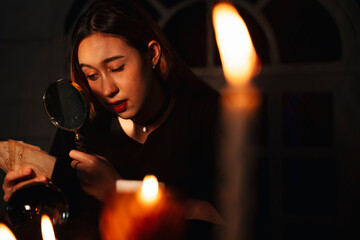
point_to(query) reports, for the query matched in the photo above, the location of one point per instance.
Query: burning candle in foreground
(47, 229)
(240, 100)
(150, 212)
(149, 192)
(237, 53)
(5, 233)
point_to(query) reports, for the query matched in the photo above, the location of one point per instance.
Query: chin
(125, 115)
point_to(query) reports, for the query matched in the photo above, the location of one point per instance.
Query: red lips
(119, 106)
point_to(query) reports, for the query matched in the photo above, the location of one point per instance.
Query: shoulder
(200, 108)
(204, 100)
(201, 95)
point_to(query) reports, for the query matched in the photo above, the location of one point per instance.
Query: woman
(149, 114)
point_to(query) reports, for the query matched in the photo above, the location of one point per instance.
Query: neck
(157, 115)
(140, 132)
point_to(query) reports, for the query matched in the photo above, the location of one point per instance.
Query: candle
(47, 229)
(240, 99)
(5, 233)
(149, 192)
(150, 212)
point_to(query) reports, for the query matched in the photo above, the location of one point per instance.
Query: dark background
(307, 128)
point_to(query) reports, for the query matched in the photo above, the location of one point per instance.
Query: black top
(180, 153)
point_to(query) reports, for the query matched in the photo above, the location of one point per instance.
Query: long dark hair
(129, 21)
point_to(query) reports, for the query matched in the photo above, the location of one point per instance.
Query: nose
(109, 87)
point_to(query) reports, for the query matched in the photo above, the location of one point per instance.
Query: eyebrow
(107, 60)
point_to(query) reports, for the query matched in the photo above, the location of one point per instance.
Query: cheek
(96, 90)
(138, 87)
(93, 87)
(130, 83)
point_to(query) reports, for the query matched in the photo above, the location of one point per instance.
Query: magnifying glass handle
(79, 142)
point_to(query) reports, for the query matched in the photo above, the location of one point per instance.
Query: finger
(75, 164)
(7, 195)
(8, 191)
(80, 169)
(16, 175)
(23, 183)
(75, 154)
(81, 156)
(102, 158)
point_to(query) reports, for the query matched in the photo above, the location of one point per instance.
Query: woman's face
(119, 75)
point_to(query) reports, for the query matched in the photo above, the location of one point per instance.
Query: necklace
(156, 116)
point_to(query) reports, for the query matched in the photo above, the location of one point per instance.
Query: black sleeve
(64, 176)
(83, 209)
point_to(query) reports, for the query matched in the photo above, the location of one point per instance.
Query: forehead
(100, 46)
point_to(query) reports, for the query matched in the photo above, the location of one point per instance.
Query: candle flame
(47, 229)
(237, 52)
(149, 189)
(5, 233)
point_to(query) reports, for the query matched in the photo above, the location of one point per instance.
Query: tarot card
(41, 162)
(5, 163)
(18, 152)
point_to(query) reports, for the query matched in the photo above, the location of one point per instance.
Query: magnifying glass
(66, 108)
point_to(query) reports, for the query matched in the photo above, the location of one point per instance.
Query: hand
(202, 210)
(16, 179)
(96, 174)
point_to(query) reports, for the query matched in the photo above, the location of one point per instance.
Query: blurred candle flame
(47, 229)
(5, 233)
(149, 189)
(237, 53)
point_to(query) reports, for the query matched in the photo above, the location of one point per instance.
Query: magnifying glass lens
(65, 105)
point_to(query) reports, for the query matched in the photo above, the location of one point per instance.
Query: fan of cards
(16, 154)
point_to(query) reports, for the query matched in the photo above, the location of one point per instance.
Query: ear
(154, 51)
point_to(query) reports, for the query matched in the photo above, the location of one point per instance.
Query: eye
(118, 69)
(93, 77)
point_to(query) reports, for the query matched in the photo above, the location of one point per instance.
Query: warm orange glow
(150, 212)
(149, 189)
(237, 53)
(5, 233)
(47, 229)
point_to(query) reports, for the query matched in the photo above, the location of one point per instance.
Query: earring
(153, 66)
